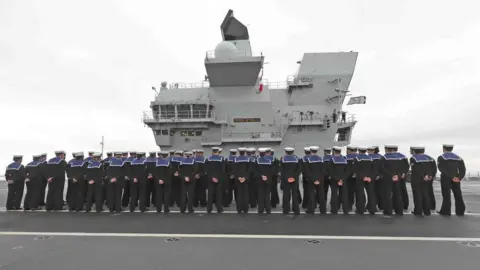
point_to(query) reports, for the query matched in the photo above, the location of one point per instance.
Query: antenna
(102, 143)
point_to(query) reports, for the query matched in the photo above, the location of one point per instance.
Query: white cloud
(72, 72)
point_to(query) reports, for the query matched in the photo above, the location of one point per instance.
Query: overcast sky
(72, 71)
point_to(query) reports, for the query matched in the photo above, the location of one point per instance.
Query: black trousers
(275, 199)
(138, 194)
(291, 191)
(94, 193)
(352, 190)
(326, 186)
(215, 190)
(431, 195)
(421, 196)
(392, 196)
(187, 193)
(404, 192)
(33, 191)
(114, 195)
(175, 191)
(150, 192)
(69, 191)
(359, 193)
(200, 192)
(77, 195)
(378, 186)
(55, 194)
(126, 192)
(242, 195)
(316, 196)
(15, 194)
(338, 195)
(264, 189)
(448, 186)
(370, 188)
(43, 187)
(230, 190)
(252, 191)
(162, 197)
(305, 187)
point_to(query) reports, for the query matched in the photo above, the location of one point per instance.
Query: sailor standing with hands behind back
(15, 176)
(452, 169)
(290, 170)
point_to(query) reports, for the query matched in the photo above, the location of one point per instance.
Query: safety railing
(192, 115)
(251, 136)
(180, 85)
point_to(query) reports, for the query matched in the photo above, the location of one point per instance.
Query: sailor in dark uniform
(252, 180)
(76, 177)
(106, 163)
(116, 179)
(305, 184)
(433, 167)
(69, 180)
(327, 158)
(338, 172)
(264, 170)
(289, 171)
(15, 176)
(43, 186)
(351, 178)
(452, 169)
(138, 182)
(55, 170)
(315, 171)
(364, 170)
(200, 185)
(421, 175)
(176, 181)
(230, 177)
(392, 166)
(33, 182)
(171, 153)
(404, 168)
(95, 184)
(188, 181)
(163, 176)
(374, 152)
(242, 169)
(127, 193)
(151, 161)
(275, 199)
(215, 169)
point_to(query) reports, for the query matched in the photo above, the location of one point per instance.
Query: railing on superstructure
(251, 136)
(291, 82)
(181, 116)
(212, 54)
(181, 85)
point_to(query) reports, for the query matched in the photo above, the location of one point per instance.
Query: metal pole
(102, 143)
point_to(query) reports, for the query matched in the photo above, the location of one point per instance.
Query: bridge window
(167, 111)
(183, 111)
(165, 132)
(199, 110)
(198, 133)
(190, 133)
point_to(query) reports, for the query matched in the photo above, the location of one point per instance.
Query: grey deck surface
(141, 241)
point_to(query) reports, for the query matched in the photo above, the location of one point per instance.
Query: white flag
(357, 100)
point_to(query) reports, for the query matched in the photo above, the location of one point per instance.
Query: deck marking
(245, 236)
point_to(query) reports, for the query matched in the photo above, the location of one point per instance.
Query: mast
(102, 143)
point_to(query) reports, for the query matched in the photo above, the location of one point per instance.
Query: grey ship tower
(236, 107)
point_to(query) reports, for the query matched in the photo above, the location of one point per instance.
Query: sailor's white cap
(109, 153)
(306, 149)
(242, 149)
(371, 148)
(58, 152)
(267, 149)
(194, 150)
(78, 154)
(327, 149)
(17, 156)
(140, 153)
(117, 153)
(289, 149)
(91, 152)
(390, 146)
(172, 151)
(43, 154)
(251, 149)
(351, 147)
(362, 148)
(152, 153)
(417, 147)
(216, 148)
(189, 153)
(179, 152)
(448, 145)
(36, 156)
(163, 152)
(314, 148)
(262, 150)
(375, 146)
(220, 149)
(233, 150)
(337, 148)
(97, 155)
(199, 150)
(270, 150)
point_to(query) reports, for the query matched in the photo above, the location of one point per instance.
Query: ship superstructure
(235, 106)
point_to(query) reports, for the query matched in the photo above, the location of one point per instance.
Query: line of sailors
(362, 177)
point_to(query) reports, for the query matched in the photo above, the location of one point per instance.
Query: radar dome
(225, 49)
